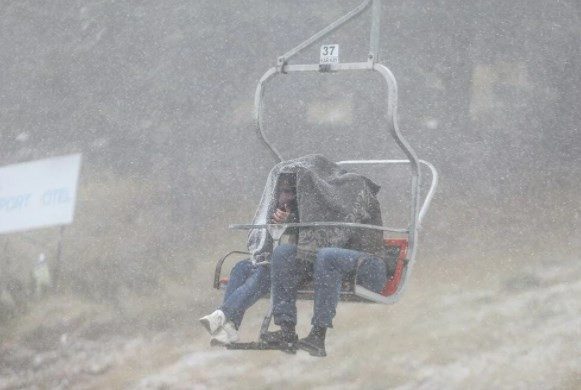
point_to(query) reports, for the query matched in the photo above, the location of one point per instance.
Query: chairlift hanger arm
(283, 67)
(374, 36)
(391, 117)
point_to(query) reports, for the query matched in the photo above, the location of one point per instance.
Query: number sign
(329, 54)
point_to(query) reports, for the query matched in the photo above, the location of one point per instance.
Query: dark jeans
(247, 283)
(332, 265)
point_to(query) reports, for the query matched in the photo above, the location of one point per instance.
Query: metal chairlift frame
(416, 213)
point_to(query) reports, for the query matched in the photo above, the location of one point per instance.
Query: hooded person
(249, 279)
(325, 193)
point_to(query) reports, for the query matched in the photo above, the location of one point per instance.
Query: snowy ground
(514, 327)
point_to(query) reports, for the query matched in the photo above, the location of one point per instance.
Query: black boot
(314, 343)
(286, 338)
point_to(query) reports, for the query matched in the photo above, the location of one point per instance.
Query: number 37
(328, 50)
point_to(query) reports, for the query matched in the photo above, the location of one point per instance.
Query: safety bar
(282, 226)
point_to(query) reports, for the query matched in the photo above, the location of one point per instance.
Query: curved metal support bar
(431, 191)
(258, 99)
(411, 155)
(281, 61)
(315, 224)
(392, 99)
(218, 270)
(415, 171)
(375, 297)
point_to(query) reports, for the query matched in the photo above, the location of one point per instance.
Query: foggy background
(158, 98)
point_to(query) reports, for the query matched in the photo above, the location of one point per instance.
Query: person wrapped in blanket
(249, 279)
(325, 192)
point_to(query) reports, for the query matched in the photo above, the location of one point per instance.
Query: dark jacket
(325, 193)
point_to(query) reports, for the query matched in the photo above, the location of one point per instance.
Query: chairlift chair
(401, 243)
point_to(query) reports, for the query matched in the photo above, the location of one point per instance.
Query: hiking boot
(313, 344)
(213, 322)
(225, 335)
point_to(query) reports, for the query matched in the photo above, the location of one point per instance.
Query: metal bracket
(282, 60)
(280, 64)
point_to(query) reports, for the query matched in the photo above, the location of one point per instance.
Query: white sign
(38, 193)
(329, 54)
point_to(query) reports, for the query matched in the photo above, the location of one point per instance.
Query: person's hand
(281, 215)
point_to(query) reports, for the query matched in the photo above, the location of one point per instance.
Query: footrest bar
(261, 346)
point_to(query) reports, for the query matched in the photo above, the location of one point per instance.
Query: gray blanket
(325, 193)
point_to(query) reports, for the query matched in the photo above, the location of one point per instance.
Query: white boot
(213, 322)
(225, 335)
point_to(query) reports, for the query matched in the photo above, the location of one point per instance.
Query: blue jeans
(331, 266)
(246, 285)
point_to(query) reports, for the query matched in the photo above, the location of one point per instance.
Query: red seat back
(398, 246)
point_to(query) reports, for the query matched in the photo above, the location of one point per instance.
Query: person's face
(286, 194)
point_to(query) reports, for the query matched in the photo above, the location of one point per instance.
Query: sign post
(39, 194)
